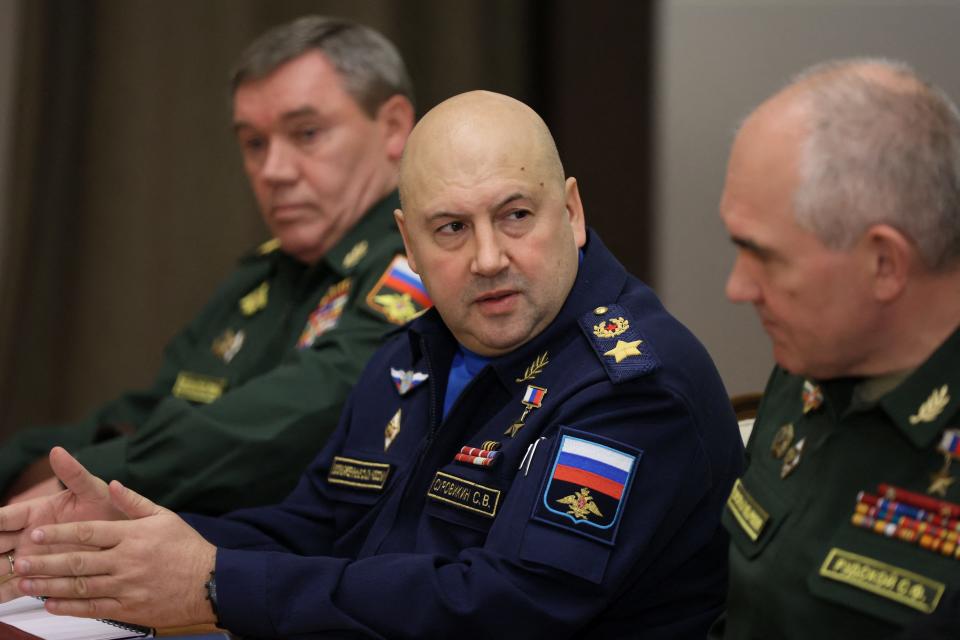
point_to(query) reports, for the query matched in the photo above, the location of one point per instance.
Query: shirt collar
(372, 226)
(927, 401)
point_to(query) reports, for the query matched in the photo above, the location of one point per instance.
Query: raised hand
(85, 498)
(147, 570)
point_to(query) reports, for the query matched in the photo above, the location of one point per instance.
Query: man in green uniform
(843, 198)
(249, 391)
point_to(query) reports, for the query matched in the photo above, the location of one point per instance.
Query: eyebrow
(453, 214)
(750, 245)
(287, 116)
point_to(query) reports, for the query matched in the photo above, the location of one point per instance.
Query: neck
(917, 323)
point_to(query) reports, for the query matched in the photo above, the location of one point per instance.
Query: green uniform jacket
(799, 567)
(184, 447)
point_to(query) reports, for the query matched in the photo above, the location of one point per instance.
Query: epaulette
(269, 246)
(618, 343)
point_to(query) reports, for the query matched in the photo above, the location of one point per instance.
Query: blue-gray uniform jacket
(598, 516)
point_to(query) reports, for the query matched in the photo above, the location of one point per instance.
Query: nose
(489, 257)
(741, 286)
(280, 164)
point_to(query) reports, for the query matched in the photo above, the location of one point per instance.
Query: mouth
(288, 211)
(498, 301)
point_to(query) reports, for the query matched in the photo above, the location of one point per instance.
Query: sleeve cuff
(242, 592)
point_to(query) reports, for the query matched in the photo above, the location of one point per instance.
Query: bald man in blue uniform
(546, 453)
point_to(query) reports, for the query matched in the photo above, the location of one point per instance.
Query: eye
(451, 228)
(518, 214)
(252, 144)
(307, 134)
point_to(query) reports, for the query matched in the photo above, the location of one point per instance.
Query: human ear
(401, 224)
(891, 256)
(574, 208)
(395, 117)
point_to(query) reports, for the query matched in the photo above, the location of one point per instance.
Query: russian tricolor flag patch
(587, 485)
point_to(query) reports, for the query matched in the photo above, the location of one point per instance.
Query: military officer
(546, 453)
(249, 391)
(843, 198)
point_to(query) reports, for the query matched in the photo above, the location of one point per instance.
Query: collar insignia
(355, 254)
(536, 368)
(932, 407)
(255, 300)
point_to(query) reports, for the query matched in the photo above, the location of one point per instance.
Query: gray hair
(883, 148)
(370, 65)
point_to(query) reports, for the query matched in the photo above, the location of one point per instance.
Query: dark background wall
(127, 203)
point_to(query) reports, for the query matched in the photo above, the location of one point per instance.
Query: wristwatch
(211, 587)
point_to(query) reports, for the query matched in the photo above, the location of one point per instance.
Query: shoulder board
(618, 343)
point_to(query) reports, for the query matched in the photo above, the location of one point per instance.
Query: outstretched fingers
(98, 533)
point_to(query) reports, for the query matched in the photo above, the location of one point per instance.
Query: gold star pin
(624, 350)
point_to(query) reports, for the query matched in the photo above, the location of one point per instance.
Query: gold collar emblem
(355, 254)
(536, 368)
(255, 300)
(932, 407)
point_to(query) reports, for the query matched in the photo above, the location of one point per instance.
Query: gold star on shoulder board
(624, 350)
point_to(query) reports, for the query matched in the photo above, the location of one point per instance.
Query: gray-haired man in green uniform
(250, 389)
(843, 198)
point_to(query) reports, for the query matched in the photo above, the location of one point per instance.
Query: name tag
(464, 494)
(358, 473)
(198, 388)
(882, 579)
(747, 511)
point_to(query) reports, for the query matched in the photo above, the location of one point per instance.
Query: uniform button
(600, 310)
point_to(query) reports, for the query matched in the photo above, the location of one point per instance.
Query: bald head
(474, 134)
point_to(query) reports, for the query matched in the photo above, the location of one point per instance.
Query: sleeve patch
(587, 484)
(399, 295)
(618, 343)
